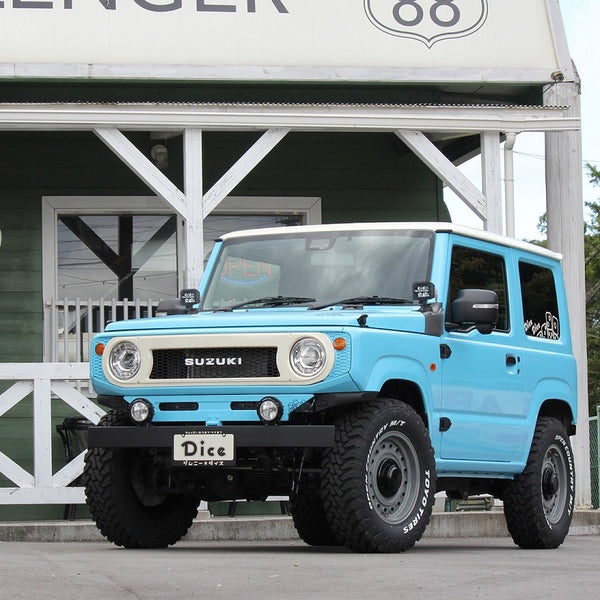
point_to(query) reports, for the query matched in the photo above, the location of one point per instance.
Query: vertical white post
(564, 183)
(491, 179)
(509, 184)
(42, 434)
(194, 230)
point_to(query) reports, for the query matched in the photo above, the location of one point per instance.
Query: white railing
(49, 383)
(70, 324)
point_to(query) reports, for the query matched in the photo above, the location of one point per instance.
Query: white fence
(71, 323)
(48, 382)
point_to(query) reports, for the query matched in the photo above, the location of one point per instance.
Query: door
(483, 404)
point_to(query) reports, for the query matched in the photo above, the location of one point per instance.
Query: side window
(540, 306)
(474, 269)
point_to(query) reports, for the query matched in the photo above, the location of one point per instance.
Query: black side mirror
(476, 307)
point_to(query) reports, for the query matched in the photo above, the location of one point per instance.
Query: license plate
(211, 449)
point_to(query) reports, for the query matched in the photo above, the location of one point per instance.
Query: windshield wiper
(267, 301)
(360, 301)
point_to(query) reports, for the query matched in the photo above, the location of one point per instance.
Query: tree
(592, 278)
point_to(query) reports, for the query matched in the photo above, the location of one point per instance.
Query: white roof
(400, 226)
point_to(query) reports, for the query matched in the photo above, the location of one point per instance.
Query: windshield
(321, 267)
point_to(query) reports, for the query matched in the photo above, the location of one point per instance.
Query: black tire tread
(113, 508)
(308, 515)
(343, 479)
(524, 514)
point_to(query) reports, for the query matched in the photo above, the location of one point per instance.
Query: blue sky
(581, 18)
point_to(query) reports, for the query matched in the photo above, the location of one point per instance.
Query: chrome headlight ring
(124, 361)
(308, 357)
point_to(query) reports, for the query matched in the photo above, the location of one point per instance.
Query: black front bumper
(246, 436)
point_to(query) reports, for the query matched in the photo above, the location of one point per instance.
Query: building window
(116, 256)
(110, 258)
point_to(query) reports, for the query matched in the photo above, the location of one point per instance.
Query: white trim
(309, 207)
(274, 73)
(313, 117)
(559, 38)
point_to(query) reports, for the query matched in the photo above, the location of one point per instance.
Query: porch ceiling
(176, 117)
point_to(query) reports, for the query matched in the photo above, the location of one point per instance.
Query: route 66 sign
(428, 21)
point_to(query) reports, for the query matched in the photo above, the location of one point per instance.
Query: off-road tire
(378, 481)
(539, 503)
(308, 514)
(121, 513)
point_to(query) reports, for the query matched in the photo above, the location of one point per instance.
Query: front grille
(214, 363)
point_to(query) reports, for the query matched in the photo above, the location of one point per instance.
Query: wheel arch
(560, 410)
(408, 392)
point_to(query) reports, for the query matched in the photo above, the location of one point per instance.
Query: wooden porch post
(565, 235)
(193, 188)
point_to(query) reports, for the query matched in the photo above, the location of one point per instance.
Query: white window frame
(52, 206)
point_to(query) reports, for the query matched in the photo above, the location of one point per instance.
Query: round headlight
(308, 357)
(124, 360)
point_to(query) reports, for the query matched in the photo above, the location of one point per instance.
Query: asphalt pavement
(448, 568)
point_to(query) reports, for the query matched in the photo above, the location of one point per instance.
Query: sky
(581, 18)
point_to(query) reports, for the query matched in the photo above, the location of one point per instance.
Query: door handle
(512, 364)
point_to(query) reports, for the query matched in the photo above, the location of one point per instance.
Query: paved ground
(461, 569)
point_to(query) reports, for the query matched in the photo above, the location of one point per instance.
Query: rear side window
(540, 305)
(474, 269)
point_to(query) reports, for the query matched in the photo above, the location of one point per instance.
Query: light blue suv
(357, 368)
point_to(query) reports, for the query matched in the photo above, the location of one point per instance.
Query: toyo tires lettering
(424, 502)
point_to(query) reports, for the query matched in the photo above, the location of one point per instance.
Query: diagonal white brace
(143, 168)
(445, 170)
(242, 167)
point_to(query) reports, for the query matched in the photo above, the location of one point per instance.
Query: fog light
(270, 410)
(141, 410)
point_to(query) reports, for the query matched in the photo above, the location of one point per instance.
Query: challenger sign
(371, 40)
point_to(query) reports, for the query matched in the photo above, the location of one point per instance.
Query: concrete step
(206, 528)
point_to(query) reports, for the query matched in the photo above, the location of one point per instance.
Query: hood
(403, 318)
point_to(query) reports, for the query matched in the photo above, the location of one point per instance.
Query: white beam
(250, 117)
(445, 170)
(491, 179)
(70, 472)
(14, 394)
(193, 185)
(509, 183)
(11, 470)
(42, 433)
(76, 400)
(47, 370)
(143, 167)
(50, 495)
(242, 167)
